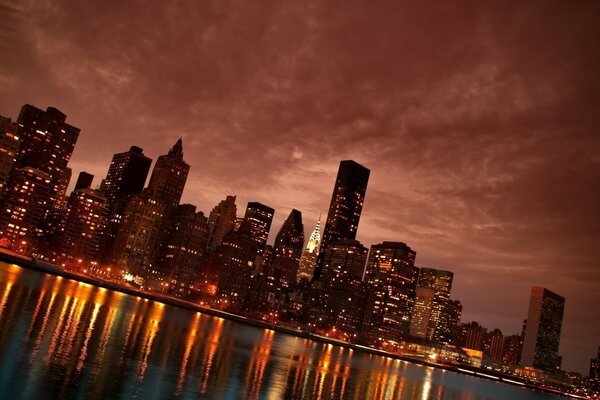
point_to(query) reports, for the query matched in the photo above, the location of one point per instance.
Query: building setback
(221, 221)
(542, 333)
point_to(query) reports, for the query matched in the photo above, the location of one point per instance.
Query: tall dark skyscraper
(287, 249)
(169, 176)
(126, 175)
(221, 221)
(346, 205)
(47, 143)
(84, 181)
(259, 218)
(542, 333)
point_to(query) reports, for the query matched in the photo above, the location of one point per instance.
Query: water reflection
(63, 339)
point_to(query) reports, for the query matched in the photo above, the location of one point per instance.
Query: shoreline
(39, 266)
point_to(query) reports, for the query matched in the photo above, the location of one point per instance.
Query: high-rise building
(126, 175)
(184, 245)
(493, 345)
(595, 367)
(542, 333)
(169, 176)
(473, 335)
(511, 353)
(346, 205)
(24, 207)
(287, 250)
(259, 216)
(84, 181)
(308, 261)
(60, 200)
(85, 220)
(450, 321)
(221, 221)
(392, 278)
(9, 147)
(47, 143)
(429, 310)
(343, 262)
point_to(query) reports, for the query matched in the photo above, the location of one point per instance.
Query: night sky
(480, 123)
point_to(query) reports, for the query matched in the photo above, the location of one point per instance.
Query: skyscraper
(169, 176)
(9, 147)
(542, 333)
(595, 367)
(126, 175)
(259, 217)
(392, 278)
(308, 261)
(287, 250)
(84, 181)
(47, 143)
(221, 221)
(346, 205)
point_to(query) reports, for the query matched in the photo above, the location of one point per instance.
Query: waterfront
(65, 339)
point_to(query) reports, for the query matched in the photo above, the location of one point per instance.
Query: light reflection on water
(64, 339)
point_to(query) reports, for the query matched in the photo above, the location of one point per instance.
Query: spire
(177, 149)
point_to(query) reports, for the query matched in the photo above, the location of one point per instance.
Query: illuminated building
(184, 244)
(221, 221)
(9, 147)
(287, 250)
(169, 176)
(126, 175)
(84, 181)
(235, 264)
(259, 218)
(511, 353)
(137, 238)
(542, 333)
(308, 261)
(450, 321)
(493, 345)
(430, 306)
(595, 367)
(472, 335)
(345, 207)
(47, 143)
(24, 207)
(85, 220)
(392, 278)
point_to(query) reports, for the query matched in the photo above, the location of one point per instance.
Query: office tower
(47, 143)
(84, 181)
(511, 353)
(430, 309)
(169, 176)
(595, 367)
(85, 220)
(287, 250)
(135, 247)
(346, 205)
(392, 278)
(542, 334)
(473, 335)
(62, 184)
(24, 207)
(9, 147)
(308, 261)
(493, 345)
(221, 221)
(126, 175)
(449, 327)
(235, 263)
(259, 217)
(339, 293)
(184, 245)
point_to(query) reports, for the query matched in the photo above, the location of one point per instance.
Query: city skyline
(498, 208)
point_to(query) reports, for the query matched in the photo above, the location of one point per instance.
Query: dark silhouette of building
(392, 278)
(221, 221)
(473, 335)
(62, 185)
(259, 217)
(47, 143)
(84, 181)
(493, 345)
(126, 175)
(345, 207)
(169, 176)
(595, 367)
(511, 354)
(287, 250)
(9, 147)
(183, 247)
(542, 333)
(450, 322)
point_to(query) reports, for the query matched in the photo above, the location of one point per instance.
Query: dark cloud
(478, 121)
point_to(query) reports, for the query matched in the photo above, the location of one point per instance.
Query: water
(65, 339)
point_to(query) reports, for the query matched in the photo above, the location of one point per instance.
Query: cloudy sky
(480, 122)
